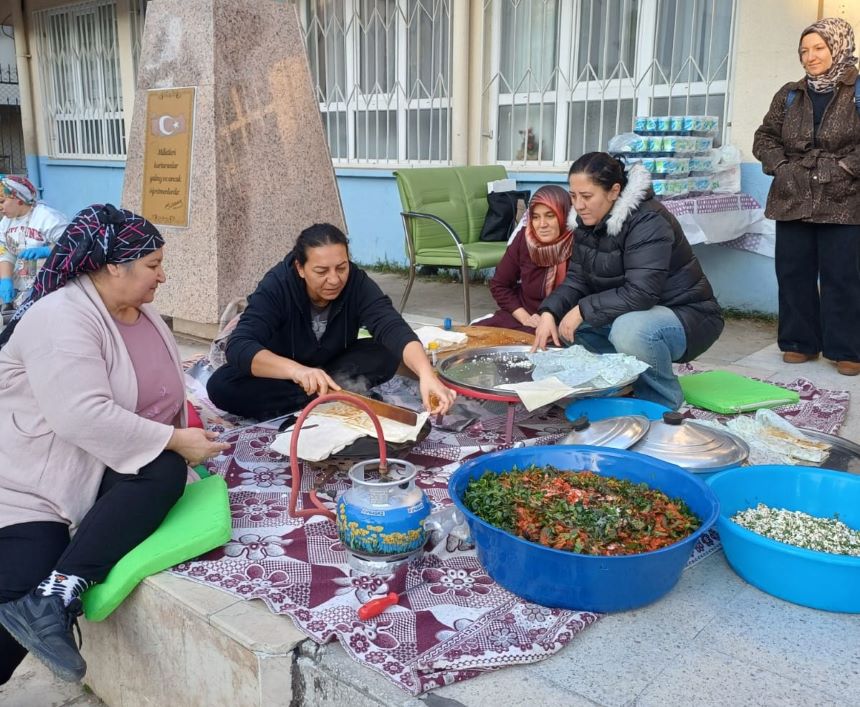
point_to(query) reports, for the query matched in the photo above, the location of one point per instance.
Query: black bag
(505, 209)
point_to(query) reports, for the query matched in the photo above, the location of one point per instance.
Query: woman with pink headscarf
(535, 262)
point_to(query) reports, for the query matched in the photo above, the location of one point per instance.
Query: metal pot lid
(692, 446)
(615, 432)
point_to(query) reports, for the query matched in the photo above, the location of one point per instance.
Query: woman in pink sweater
(535, 262)
(94, 430)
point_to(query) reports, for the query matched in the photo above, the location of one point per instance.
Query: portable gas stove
(380, 516)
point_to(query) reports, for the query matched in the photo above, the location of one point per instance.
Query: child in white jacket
(28, 231)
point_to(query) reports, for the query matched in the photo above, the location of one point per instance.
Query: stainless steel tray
(484, 369)
(844, 454)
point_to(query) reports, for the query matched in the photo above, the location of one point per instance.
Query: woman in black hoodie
(298, 336)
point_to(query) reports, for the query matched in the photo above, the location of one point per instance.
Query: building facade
(530, 84)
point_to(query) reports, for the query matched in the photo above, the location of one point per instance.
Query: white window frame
(78, 114)
(642, 90)
(397, 101)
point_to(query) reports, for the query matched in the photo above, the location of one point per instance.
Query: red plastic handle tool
(376, 606)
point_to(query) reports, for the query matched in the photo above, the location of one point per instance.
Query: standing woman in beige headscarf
(810, 143)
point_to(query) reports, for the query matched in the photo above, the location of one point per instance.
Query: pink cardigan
(67, 397)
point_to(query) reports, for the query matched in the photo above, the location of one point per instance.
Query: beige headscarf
(839, 37)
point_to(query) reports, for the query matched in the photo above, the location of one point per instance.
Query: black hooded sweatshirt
(278, 319)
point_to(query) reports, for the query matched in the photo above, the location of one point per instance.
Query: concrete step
(174, 642)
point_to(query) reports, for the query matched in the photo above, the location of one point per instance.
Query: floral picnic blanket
(458, 624)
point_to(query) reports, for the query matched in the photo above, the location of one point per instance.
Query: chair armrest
(441, 222)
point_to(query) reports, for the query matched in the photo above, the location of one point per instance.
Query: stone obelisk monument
(227, 152)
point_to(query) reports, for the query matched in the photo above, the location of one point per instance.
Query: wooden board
(483, 336)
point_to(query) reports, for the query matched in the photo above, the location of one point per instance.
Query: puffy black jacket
(635, 258)
(278, 318)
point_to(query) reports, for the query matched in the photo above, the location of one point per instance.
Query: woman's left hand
(532, 321)
(435, 395)
(569, 324)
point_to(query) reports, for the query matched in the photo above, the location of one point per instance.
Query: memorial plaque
(167, 156)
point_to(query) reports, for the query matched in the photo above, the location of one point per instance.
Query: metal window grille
(137, 16)
(80, 75)
(382, 73)
(566, 75)
(9, 93)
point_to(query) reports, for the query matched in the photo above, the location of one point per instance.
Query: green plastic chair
(443, 212)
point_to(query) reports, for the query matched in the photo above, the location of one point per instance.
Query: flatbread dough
(392, 430)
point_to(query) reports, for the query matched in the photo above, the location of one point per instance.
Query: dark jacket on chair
(638, 257)
(278, 318)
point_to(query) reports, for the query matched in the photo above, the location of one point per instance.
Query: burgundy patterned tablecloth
(818, 408)
(459, 623)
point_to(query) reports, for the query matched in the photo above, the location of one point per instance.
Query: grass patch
(751, 316)
(429, 273)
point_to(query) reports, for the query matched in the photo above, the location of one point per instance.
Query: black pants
(363, 365)
(128, 509)
(810, 256)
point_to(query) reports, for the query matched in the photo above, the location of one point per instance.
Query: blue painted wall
(743, 280)
(70, 185)
(372, 207)
(754, 181)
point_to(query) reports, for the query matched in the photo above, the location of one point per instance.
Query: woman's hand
(313, 380)
(435, 395)
(526, 319)
(195, 445)
(545, 330)
(570, 323)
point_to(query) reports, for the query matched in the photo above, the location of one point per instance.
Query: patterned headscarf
(552, 256)
(16, 187)
(839, 37)
(97, 235)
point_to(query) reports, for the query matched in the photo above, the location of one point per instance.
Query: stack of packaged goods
(679, 152)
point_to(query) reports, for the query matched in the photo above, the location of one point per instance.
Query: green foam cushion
(725, 392)
(199, 522)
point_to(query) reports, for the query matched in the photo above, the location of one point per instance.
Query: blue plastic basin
(569, 580)
(601, 408)
(816, 579)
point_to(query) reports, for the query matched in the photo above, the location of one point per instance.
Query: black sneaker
(44, 627)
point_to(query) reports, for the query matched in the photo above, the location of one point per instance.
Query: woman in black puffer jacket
(633, 285)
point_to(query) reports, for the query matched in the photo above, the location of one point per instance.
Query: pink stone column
(261, 169)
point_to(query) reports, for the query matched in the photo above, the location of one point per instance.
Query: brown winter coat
(813, 181)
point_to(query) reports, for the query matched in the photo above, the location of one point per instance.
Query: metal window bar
(382, 75)
(80, 75)
(9, 94)
(137, 16)
(611, 60)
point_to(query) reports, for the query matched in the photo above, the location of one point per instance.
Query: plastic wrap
(576, 366)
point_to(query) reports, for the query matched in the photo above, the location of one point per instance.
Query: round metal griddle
(368, 447)
(484, 369)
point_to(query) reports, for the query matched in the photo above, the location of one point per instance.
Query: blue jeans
(654, 336)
